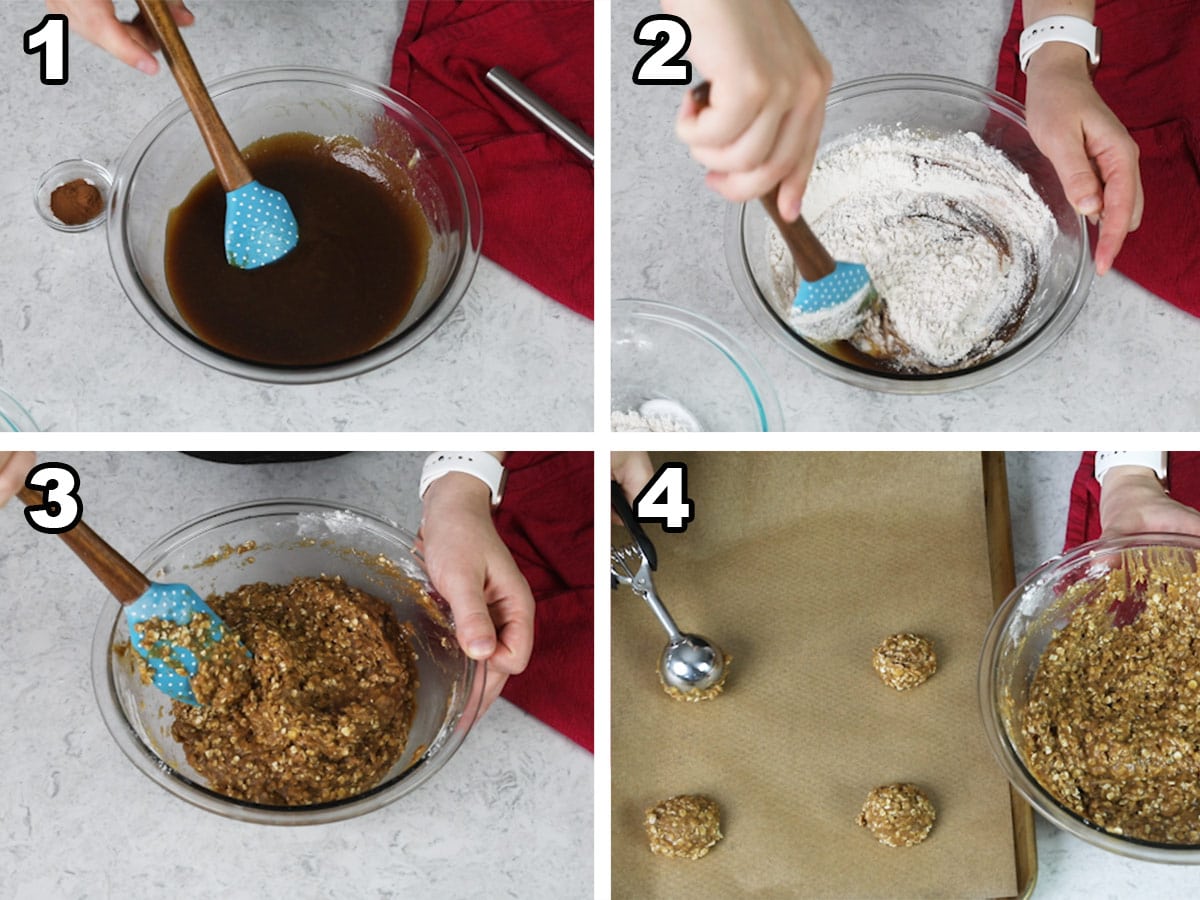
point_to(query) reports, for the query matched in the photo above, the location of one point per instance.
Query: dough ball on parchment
(899, 815)
(686, 826)
(904, 661)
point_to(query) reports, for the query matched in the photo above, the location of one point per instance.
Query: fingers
(1123, 201)
(463, 590)
(127, 43)
(13, 470)
(632, 470)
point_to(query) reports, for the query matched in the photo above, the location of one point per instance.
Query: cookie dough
(696, 696)
(686, 826)
(898, 815)
(323, 709)
(904, 661)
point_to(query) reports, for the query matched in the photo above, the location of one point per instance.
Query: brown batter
(1112, 726)
(348, 283)
(323, 710)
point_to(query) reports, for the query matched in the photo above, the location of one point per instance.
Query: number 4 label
(664, 499)
(670, 37)
(49, 38)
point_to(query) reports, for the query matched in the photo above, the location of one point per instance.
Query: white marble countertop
(79, 357)
(510, 815)
(1039, 493)
(667, 245)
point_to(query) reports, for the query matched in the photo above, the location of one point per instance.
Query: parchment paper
(798, 565)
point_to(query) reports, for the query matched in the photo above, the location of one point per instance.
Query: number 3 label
(61, 507)
(670, 37)
(664, 499)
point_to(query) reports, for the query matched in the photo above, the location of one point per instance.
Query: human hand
(632, 470)
(1093, 155)
(1132, 501)
(14, 466)
(130, 42)
(473, 570)
(766, 105)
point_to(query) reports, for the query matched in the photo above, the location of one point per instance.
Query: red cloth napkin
(1083, 517)
(545, 520)
(1148, 76)
(537, 193)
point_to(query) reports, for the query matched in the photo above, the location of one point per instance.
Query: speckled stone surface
(1039, 487)
(667, 245)
(510, 815)
(75, 352)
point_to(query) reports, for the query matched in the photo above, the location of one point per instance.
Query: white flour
(950, 230)
(635, 421)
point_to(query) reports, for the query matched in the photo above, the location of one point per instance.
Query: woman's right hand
(130, 42)
(766, 105)
(14, 466)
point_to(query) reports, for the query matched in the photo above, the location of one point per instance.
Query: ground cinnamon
(76, 202)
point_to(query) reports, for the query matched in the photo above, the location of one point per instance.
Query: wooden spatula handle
(116, 573)
(812, 259)
(227, 159)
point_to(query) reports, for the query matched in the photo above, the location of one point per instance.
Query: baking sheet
(797, 565)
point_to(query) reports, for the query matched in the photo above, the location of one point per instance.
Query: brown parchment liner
(798, 565)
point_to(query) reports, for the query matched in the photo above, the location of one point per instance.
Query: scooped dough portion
(686, 826)
(898, 815)
(904, 661)
(696, 696)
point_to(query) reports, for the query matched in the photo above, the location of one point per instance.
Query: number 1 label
(49, 38)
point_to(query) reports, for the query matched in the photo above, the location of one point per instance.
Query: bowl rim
(180, 786)
(762, 390)
(1007, 361)
(1001, 747)
(464, 263)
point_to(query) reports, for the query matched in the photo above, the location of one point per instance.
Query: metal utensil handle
(552, 120)
(630, 521)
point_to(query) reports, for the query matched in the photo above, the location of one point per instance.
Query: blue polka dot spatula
(260, 227)
(833, 298)
(153, 612)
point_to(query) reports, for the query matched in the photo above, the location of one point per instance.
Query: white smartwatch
(481, 465)
(1150, 459)
(1069, 29)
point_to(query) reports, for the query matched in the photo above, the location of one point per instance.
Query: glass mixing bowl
(1013, 647)
(291, 538)
(931, 104)
(720, 388)
(167, 158)
(13, 416)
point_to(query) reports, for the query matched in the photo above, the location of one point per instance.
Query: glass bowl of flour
(936, 186)
(721, 387)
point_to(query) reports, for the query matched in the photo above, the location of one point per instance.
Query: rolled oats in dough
(904, 661)
(685, 826)
(898, 815)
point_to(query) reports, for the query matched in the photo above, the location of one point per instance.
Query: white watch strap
(482, 465)
(1071, 29)
(1150, 459)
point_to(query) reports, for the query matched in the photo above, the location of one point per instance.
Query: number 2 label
(670, 37)
(49, 38)
(664, 499)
